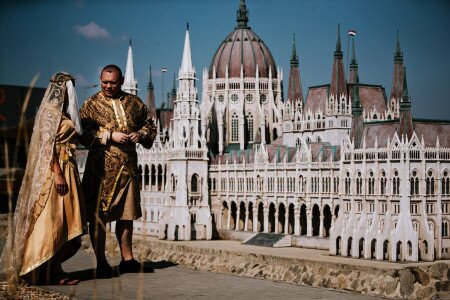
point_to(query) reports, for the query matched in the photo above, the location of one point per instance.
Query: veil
(40, 154)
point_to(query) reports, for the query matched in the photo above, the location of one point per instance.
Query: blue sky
(81, 36)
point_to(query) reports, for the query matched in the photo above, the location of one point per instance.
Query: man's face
(111, 83)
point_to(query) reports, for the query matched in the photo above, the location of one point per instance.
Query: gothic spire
(353, 76)
(357, 118)
(397, 79)
(338, 51)
(186, 69)
(294, 57)
(398, 52)
(295, 94)
(242, 15)
(406, 124)
(150, 82)
(338, 82)
(173, 93)
(151, 96)
(130, 83)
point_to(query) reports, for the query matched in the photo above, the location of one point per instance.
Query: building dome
(242, 47)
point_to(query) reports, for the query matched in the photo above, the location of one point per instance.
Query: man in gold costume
(113, 122)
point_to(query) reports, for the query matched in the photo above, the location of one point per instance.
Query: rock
(391, 286)
(438, 271)
(443, 286)
(425, 293)
(420, 276)
(406, 282)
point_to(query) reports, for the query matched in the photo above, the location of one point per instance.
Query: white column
(246, 220)
(238, 219)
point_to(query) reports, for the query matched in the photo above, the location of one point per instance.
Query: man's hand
(135, 137)
(61, 185)
(119, 137)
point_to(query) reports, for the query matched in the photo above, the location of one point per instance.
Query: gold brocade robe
(63, 217)
(111, 177)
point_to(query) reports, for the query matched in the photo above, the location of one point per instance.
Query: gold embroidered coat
(111, 178)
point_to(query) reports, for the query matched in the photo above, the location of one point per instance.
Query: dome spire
(242, 15)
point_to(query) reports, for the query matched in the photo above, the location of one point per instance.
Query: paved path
(174, 282)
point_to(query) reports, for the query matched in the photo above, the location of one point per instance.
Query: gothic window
(383, 181)
(249, 98)
(445, 225)
(359, 184)
(430, 183)
(191, 137)
(234, 128)
(414, 183)
(250, 126)
(395, 184)
(318, 139)
(194, 183)
(445, 183)
(371, 184)
(221, 98)
(297, 142)
(416, 226)
(259, 182)
(347, 184)
(263, 98)
(234, 98)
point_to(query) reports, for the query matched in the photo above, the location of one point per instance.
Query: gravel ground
(27, 292)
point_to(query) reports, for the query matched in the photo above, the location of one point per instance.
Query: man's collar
(120, 96)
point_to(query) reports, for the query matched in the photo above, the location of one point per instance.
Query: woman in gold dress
(49, 218)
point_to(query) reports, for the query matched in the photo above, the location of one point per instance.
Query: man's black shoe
(133, 266)
(104, 270)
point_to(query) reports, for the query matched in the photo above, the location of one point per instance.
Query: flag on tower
(352, 32)
(164, 70)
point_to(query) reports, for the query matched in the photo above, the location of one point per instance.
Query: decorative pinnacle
(242, 15)
(294, 57)
(187, 26)
(130, 42)
(356, 101)
(338, 52)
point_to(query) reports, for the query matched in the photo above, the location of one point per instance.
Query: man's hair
(112, 68)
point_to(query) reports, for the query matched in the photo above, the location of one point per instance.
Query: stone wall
(421, 282)
(412, 283)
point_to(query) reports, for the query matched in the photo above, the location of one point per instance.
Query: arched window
(396, 184)
(371, 184)
(445, 232)
(359, 184)
(347, 183)
(194, 183)
(249, 119)
(383, 181)
(414, 183)
(445, 183)
(430, 183)
(234, 128)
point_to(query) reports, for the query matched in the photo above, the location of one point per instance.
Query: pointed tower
(357, 118)
(397, 79)
(353, 76)
(338, 87)
(187, 214)
(151, 96)
(406, 124)
(130, 83)
(173, 93)
(295, 94)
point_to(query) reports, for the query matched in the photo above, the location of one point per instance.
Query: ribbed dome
(242, 47)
